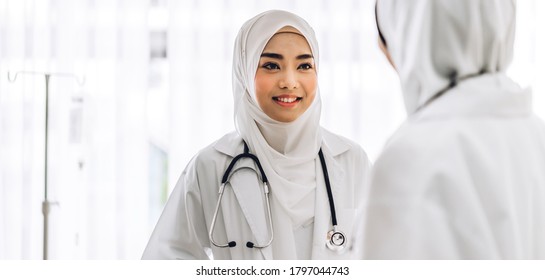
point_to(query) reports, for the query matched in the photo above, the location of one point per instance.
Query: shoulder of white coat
(418, 138)
(210, 160)
(222, 149)
(418, 150)
(339, 145)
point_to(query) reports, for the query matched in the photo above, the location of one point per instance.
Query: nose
(289, 80)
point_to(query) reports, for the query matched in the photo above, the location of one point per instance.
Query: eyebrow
(304, 56)
(272, 55)
(279, 56)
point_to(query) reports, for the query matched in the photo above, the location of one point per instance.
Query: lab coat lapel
(248, 190)
(247, 187)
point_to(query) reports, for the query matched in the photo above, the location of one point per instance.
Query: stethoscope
(335, 239)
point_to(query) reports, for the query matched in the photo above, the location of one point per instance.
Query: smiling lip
(287, 101)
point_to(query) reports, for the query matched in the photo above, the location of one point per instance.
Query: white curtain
(98, 147)
(157, 90)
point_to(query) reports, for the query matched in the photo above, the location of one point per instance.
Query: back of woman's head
(434, 43)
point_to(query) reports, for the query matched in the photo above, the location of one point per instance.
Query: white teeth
(287, 100)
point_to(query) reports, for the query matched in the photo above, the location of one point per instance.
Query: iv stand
(46, 204)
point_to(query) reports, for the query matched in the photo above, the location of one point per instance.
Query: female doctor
(314, 177)
(463, 177)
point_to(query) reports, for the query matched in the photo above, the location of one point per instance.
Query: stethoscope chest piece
(336, 240)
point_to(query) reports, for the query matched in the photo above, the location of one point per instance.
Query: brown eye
(305, 66)
(271, 66)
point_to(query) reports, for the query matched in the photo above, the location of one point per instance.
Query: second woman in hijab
(463, 177)
(277, 114)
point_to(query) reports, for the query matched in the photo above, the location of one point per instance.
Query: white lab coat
(462, 179)
(182, 230)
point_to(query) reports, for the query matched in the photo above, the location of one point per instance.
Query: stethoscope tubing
(246, 154)
(329, 192)
(211, 232)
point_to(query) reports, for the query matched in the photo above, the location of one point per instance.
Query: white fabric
(182, 230)
(434, 41)
(287, 151)
(303, 242)
(463, 177)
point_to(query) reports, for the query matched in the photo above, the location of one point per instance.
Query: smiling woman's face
(285, 80)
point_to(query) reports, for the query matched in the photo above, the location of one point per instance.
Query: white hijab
(287, 151)
(436, 43)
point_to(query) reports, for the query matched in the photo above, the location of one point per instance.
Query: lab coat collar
(231, 144)
(334, 143)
